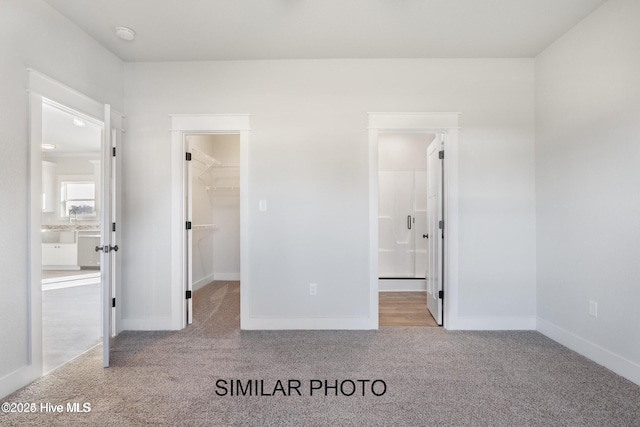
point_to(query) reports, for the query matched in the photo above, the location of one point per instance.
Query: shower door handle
(409, 222)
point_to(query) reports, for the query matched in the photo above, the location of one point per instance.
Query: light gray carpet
(433, 378)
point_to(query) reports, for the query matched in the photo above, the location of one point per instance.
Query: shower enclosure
(402, 224)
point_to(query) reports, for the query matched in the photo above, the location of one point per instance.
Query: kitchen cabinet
(60, 254)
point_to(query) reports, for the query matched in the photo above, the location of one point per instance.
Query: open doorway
(71, 227)
(213, 221)
(443, 221)
(404, 215)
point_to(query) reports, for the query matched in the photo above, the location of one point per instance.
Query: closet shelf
(203, 226)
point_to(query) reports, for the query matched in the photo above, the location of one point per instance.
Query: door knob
(107, 248)
(425, 236)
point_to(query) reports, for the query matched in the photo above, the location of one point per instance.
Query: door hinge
(188, 225)
(441, 154)
(188, 294)
(113, 303)
(113, 151)
(441, 225)
(441, 294)
(188, 158)
(113, 226)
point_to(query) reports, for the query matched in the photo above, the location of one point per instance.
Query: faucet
(75, 215)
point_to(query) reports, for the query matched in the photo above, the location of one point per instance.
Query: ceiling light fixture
(125, 33)
(79, 123)
(48, 146)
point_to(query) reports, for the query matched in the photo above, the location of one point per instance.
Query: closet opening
(409, 205)
(212, 207)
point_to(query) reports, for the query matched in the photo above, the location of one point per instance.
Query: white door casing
(43, 89)
(407, 122)
(435, 234)
(181, 126)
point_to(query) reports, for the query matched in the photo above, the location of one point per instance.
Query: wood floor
(404, 309)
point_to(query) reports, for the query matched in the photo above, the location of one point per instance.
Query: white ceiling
(58, 129)
(182, 30)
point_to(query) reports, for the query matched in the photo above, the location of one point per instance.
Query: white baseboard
(308, 323)
(204, 281)
(18, 379)
(618, 364)
(226, 276)
(148, 324)
(494, 323)
(402, 285)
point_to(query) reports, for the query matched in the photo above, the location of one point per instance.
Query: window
(78, 199)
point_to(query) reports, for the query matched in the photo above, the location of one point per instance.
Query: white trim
(495, 323)
(61, 94)
(189, 124)
(18, 379)
(204, 281)
(407, 122)
(610, 360)
(41, 88)
(226, 276)
(402, 285)
(307, 323)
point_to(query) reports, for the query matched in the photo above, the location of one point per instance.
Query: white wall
(309, 160)
(403, 151)
(33, 35)
(587, 177)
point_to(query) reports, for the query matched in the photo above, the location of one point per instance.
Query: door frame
(409, 122)
(183, 125)
(44, 89)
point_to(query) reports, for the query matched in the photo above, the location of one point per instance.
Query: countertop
(70, 227)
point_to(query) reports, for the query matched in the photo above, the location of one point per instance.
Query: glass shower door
(396, 238)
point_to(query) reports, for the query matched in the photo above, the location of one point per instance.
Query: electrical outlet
(593, 308)
(313, 289)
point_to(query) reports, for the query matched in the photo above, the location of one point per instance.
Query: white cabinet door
(49, 254)
(67, 254)
(60, 254)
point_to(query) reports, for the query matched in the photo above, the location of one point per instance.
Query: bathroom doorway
(403, 253)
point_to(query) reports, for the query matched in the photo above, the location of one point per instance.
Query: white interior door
(188, 230)
(435, 234)
(108, 244)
